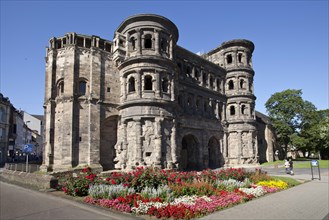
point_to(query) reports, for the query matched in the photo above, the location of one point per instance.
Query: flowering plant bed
(169, 193)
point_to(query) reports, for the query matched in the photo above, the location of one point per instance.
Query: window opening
(240, 57)
(230, 85)
(218, 84)
(242, 83)
(243, 109)
(204, 78)
(232, 110)
(133, 43)
(229, 59)
(163, 44)
(211, 82)
(148, 41)
(131, 84)
(88, 43)
(60, 89)
(80, 42)
(82, 87)
(165, 85)
(148, 83)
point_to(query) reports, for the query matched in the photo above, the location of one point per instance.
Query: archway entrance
(215, 156)
(108, 140)
(190, 153)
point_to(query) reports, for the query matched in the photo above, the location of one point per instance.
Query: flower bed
(168, 193)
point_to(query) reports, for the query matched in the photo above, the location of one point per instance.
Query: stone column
(157, 41)
(127, 45)
(171, 45)
(157, 142)
(173, 143)
(138, 42)
(239, 145)
(139, 156)
(139, 83)
(157, 84)
(124, 158)
(172, 89)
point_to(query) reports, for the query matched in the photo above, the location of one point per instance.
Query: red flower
(113, 182)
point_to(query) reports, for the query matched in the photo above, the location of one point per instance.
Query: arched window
(133, 43)
(211, 82)
(131, 84)
(232, 110)
(230, 85)
(205, 106)
(218, 84)
(204, 78)
(163, 44)
(240, 57)
(164, 85)
(229, 59)
(148, 41)
(243, 109)
(60, 87)
(148, 83)
(82, 87)
(242, 84)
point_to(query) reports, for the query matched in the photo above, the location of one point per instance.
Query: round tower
(143, 51)
(240, 109)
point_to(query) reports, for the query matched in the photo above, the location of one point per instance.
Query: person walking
(291, 166)
(287, 166)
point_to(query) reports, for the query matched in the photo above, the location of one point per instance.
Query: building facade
(142, 100)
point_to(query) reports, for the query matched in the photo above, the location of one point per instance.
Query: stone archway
(108, 141)
(190, 153)
(215, 156)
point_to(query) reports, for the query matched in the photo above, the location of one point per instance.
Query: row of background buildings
(18, 129)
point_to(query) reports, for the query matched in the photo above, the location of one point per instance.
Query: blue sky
(290, 37)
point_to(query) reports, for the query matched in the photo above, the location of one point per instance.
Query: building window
(211, 82)
(148, 83)
(165, 85)
(240, 57)
(242, 84)
(204, 78)
(229, 59)
(218, 84)
(131, 84)
(232, 110)
(164, 44)
(60, 88)
(230, 85)
(148, 41)
(243, 109)
(82, 88)
(133, 43)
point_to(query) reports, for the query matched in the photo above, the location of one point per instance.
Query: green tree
(316, 132)
(290, 114)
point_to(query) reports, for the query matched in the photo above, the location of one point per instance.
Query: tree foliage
(294, 119)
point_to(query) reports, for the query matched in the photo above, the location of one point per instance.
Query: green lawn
(300, 163)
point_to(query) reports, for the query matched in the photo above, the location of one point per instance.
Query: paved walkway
(306, 201)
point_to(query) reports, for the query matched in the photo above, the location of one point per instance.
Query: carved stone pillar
(239, 145)
(173, 143)
(157, 84)
(171, 45)
(157, 41)
(139, 134)
(127, 45)
(139, 41)
(157, 142)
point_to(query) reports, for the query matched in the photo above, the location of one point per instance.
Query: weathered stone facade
(142, 100)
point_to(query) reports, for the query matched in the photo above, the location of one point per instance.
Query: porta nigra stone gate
(142, 100)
